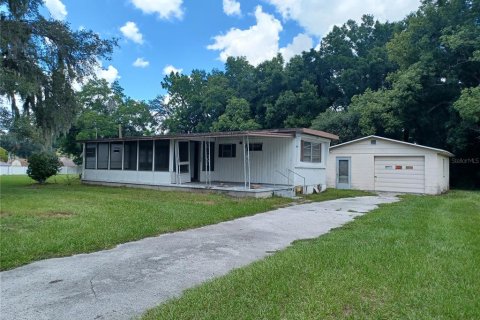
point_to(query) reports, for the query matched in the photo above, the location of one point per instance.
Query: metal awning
(270, 133)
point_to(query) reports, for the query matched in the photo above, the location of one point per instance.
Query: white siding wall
(277, 154)
(126, 176)
(362, 155)
(314, 173)
(443, 175)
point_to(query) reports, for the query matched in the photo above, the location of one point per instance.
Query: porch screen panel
(130, 158)
(212, 156)
(162, 155)
(116, 153)
(145, 156)
(102, 157)
(90, 155)
(183, 151)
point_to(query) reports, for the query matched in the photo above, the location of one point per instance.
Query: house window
(212, 156)
(311, 152)
(373, 141)
(145, 155)
(408, 167)
(102, 158)
(162, 155)
(130, 158)
(116, 154)
(255, 146)
(398, 167)
(227, 150)
(90, 155)
(388, 168)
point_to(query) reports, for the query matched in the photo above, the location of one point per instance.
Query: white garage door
(400, 174)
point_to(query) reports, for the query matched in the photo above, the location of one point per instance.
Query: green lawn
(332, 194)
(416, 259)
(66, 217)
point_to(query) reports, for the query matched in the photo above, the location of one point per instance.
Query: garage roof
(440, 151)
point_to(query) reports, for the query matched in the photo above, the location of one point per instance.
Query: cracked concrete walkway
(123, 282)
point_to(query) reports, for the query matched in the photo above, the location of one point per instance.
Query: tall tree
(236, 117)
(104, 111)
(41, 60)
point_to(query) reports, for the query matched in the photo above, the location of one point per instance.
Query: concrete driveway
(125, 281)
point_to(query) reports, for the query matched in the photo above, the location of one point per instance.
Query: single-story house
(244, 163)
(381, 164)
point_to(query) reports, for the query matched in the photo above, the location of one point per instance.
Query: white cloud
(318, 16)
(165, 9)
(110, 74)
(131, 31)
(257, 43)
(300, 43)
(56, 8)
(231, 7)
(141, 63)
(169, 69)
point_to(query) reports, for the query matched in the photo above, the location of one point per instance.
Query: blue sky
(182, 35)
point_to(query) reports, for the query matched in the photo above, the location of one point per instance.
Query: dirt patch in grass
(347, 310)
(206, 202)
(56, 214)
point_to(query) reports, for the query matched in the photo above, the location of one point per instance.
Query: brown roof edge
(279, 133)
(319, 133)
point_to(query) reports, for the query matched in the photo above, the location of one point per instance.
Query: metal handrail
(283, 175)
(304, 183)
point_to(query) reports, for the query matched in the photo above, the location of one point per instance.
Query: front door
(343, 173)
(182, 155)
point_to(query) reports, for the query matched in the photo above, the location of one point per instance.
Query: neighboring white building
(382, 164)
(274, 162)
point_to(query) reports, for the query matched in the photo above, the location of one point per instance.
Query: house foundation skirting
(262, 191)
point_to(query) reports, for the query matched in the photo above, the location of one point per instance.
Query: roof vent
(373, 141)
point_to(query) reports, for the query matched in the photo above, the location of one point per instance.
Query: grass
(332, 194)
(65, 217)
(415, 259)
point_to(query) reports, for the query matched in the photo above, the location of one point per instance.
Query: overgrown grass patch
(415, 259)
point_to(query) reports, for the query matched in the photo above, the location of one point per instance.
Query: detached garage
(381, 164)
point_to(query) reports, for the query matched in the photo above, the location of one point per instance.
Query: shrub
(3, 155)
(42, 166)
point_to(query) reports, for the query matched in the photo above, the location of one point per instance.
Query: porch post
(208, 164)
(84, 158)
(248, 161)
(175, 151)
(123, 154)
(244, 163)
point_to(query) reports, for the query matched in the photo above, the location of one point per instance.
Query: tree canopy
(41, 62)
(415, 80)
